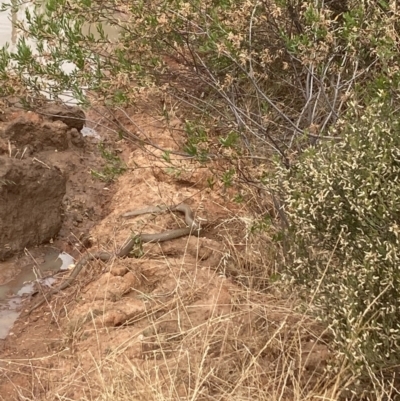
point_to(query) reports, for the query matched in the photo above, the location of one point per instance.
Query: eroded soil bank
(171, 322)
(47, 196)
(46, 183)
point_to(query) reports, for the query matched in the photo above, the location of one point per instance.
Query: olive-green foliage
(273, 71)
(113, 167)
(343, 201)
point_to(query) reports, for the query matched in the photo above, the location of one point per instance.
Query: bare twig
(42, 163)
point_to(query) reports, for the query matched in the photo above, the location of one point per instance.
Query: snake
(124, 251)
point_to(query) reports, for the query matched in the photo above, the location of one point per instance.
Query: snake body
(126, 248)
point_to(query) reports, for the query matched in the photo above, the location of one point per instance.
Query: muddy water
(14, 288)
(53, 261)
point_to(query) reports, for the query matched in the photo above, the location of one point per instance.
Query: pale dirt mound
(169, 325)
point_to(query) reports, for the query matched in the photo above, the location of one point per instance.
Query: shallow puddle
(39, 262)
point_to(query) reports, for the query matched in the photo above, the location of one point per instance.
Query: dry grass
(211, 338)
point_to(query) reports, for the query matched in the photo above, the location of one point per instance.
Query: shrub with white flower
(343, 201)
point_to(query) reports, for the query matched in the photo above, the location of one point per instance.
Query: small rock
(76, 138)
(71, 116)
(78, 218)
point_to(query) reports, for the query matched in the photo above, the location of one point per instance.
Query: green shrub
(343, 202)
(277, 73)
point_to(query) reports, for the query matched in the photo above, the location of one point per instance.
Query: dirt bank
(170, 324)
(47, 190)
